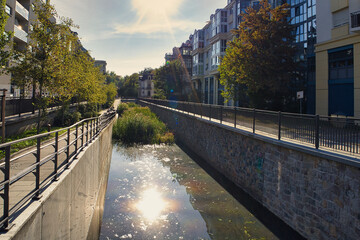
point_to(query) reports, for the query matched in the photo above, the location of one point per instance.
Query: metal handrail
(337, 133)
(93, 128)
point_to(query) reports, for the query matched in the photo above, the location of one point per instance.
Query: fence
(18, 106)
(320, 131)
(27, 173)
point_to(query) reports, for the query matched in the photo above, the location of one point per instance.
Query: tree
(129, 85)
(5, 37)
(169, 81)
(259, 61)
(41, 65)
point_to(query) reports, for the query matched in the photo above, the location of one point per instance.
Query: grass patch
(140, 125)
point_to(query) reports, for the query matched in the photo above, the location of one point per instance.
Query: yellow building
(338, 58)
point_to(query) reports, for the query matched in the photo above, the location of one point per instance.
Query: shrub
(121, 108)
(140, 125)
(131, 105)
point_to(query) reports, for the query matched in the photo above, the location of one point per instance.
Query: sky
(131, 35)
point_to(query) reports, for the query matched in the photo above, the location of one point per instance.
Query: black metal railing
(27, 173)
(19, 106)
(337, 133)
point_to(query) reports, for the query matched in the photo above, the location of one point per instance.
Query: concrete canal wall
(315, 193)
(72, 207)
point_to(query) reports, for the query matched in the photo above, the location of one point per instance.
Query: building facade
(183, 54)
(338, 58)
(146, 85)
(101, 64)
(209, 45)
(20, 16)
(210, 42)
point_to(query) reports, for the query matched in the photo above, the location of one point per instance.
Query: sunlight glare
(151, 204)
(154, 8)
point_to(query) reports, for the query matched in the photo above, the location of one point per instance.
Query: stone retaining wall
(316, 194)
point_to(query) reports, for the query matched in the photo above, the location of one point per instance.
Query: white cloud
(156, 16)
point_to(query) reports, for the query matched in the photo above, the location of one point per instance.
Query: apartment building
(209, 45)
(210, 42)
(183, 54)
(20, 16)
(338, 58)
(146, 85)
(303, 17)
(101, 64)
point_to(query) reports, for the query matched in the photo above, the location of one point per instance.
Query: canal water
(159, 192)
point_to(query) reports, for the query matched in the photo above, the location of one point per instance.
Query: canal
(159, 192)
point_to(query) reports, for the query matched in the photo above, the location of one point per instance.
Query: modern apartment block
(210, 42)
(20, 16)
(338, 58)
(209, 45)
(303, 17)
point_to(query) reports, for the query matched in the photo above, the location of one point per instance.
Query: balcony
(20, 34)
(23, 12)
(355, 22)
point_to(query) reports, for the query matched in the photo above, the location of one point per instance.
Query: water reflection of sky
(158, 192)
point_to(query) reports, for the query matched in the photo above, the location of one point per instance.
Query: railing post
(6, 188)
(317, 131)
(254, 118)
(279, 135)
(234, 116)
(82, 134)
(37, 172)
(68, 148)
(87, 132)
(91, 123)
(56, 156)
(221, 113)
(209, 112)
(76, 138)
(201, 110)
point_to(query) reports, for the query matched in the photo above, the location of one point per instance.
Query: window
(223, 16)
(355, 20)
(340, 18)
(223, 45)
(8, 10)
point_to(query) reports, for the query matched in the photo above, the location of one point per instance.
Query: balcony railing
(20, 34)
(22, 11)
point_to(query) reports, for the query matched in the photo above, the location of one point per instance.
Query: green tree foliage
(259, 62)
(56, 65)
(4, 37)
(169, 81)
(129, 86)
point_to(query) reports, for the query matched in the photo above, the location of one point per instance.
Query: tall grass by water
(139, 125)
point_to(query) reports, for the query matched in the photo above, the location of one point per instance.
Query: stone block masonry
(314, 192)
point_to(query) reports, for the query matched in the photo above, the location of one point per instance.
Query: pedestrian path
(266, 133)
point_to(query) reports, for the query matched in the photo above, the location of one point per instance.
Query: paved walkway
(264, 131)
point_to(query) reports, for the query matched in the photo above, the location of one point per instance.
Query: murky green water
(158, 192)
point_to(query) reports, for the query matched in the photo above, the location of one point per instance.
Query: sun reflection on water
(151, 204)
